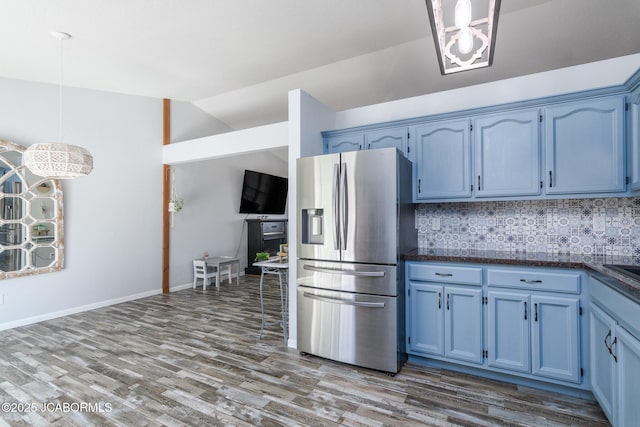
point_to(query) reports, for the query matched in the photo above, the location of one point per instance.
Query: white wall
(307, 118)
(112, 217)
(190, 122)
(210, 220)
(611, 72)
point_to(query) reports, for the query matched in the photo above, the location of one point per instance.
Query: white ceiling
(237, 59)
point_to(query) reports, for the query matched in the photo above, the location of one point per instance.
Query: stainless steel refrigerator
(355, 219)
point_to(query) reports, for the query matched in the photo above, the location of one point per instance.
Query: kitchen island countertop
(593, 264)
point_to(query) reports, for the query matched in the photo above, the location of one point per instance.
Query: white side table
(274, 267)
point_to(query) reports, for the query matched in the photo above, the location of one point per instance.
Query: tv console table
(264, 235)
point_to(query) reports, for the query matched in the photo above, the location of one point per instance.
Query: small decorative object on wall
(262, 256)
(57, 159)
(31, 218)
(175, 203)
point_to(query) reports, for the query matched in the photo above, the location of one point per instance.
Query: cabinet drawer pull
(530, 281)
(444, 274)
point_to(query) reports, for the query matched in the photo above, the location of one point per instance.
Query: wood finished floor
(193, 358)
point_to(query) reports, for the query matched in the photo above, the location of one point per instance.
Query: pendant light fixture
(57, 159)
(464, 32)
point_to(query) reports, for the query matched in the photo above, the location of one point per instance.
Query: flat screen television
(263, 193)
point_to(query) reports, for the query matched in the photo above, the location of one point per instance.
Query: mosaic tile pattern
(608, 226)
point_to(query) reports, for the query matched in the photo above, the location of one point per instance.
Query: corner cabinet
(615, 354)
(442, 163)
(506, 154)
(584, 144)
(511, 321)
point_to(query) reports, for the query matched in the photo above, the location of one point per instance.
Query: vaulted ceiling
(237, 59)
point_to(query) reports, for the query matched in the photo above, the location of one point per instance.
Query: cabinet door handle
(448, 301)
(478, 182)
(530, 281)
(444, 274)
(439, 300)
(525, 310)
(615, 340)
(550, 179)
(419, 186)
(605, 341)
(535, 307)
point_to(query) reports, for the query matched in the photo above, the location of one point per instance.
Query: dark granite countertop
(593, 264)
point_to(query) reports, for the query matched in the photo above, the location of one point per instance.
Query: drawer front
(531, 279)
(445, 273)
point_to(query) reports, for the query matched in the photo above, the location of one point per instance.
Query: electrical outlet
(435, 224)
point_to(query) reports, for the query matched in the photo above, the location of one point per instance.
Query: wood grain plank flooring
(193, 358)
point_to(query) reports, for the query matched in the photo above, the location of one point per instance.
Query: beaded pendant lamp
(57, 159)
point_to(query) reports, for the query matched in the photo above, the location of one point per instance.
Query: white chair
(202, 271)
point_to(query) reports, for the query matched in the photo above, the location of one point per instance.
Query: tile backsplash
(608, 226)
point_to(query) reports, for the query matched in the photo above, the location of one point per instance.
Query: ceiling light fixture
(464, 34)
(57, 159)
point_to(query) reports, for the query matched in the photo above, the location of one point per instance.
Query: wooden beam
(166, 193)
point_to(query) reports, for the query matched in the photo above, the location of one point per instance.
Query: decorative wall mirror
(31, 220)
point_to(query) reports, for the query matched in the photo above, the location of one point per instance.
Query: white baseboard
(74, 310)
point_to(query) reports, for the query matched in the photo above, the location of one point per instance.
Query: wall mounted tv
(263, 193)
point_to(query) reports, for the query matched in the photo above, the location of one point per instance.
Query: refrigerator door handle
(344, 205)
(336, 206)
(344, 272)
(344, 301)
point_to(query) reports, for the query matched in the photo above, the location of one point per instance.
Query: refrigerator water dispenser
(312, 227)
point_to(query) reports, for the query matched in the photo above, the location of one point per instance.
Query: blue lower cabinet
(445, 321)
(627, 351)
(426, 319)
(463, 324)
(555, 338)
(508, 331)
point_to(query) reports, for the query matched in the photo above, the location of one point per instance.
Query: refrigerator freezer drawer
(348, 277)
(352, 328)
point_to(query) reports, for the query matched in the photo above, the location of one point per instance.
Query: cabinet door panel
(506, 149)
(555, 338)
(426, 320)
(342, 143)
(394, 137)
(634, 140)
(508, 339)
(463, 324)
(601, 334)
(627, 350)
(585, 147)
(442, 160)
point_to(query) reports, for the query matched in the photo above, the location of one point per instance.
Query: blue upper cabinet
(506, 154)
(367, 140)
(442, 166)
(634, 139)
(345, 142)
(584, 144)
(392, 137)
